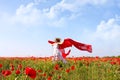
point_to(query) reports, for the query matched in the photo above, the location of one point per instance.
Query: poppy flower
(59, 77)
(11, 67)
(56, 67)
(30, 72)
(3, 71)
(112, 63)
(17, 72)
(44, 74)
(0, 65)
(49, 78)
(97, 57)
(19, 66)
(52, 72)
(72, 67)
(67, 70)
(39, 71)
(6, 72)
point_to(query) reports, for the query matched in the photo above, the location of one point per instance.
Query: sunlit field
(77, 68)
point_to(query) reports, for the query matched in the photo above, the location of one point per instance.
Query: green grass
(83, 69)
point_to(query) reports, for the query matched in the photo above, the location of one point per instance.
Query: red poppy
(0, 65)
(56, 67)
(30, 72)
(52, 72)
(3, 71)
(112, 63)
(6, 72)
(49, 78)
(72, 67)
(17, 72)
(39, 71)
(11, 67)
(44, 74)
(59, 77)
(67, 70)
(19, 66)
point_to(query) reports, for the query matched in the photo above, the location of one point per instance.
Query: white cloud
(73, 5)
(97, 2)
(24, 9)
(27, 15)
(108, 30)
(39, 1)
(105, 39)
(30, 15)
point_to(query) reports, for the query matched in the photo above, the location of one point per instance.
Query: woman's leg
(63, 60)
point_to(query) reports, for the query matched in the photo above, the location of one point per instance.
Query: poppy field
(76, 68)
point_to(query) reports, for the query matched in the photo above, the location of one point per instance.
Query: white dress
(57, 55)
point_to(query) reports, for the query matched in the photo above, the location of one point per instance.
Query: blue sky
(27, 25)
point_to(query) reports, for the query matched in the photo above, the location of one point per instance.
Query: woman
(57, 54)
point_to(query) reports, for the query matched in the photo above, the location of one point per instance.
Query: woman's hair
(57, 40)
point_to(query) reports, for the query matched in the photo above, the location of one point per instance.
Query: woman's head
(57, 40)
